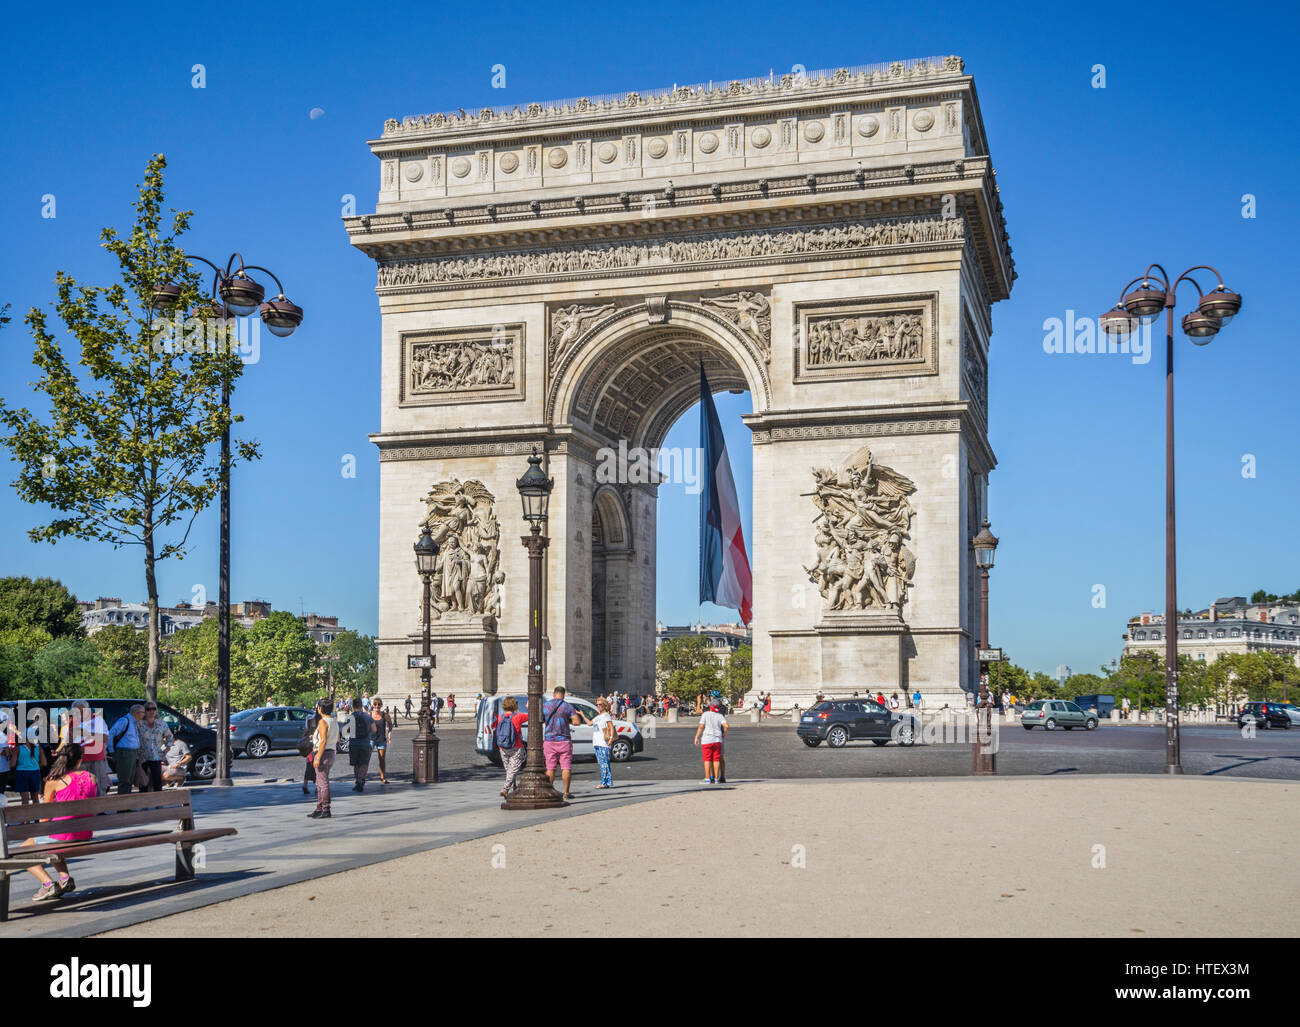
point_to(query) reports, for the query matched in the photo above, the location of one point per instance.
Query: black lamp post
(424, 762)
(240, 295)
(534, 791)
(1141, 307)
(984, 758)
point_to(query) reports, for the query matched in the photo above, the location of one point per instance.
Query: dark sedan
(840, 721)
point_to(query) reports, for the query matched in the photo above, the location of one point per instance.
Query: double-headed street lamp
(984, 756)
(240, 296)
(534, 791)
(425, 755)
(1135, 309)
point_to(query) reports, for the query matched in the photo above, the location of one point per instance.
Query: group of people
(369, 727)
(559, 717)
(436, 706)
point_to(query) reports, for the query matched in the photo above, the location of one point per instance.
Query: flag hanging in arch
(724, 567)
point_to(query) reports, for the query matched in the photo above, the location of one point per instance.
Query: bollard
(753, 716)
(672, 714)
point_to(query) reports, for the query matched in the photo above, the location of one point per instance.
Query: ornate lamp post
(984, 757)
(534, 791)
(240, 296)
(1141, 307)
(424, 762)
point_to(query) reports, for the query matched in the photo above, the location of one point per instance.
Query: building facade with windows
(1229, 625)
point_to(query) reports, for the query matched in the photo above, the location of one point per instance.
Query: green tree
(354, 663)
(1084, 684)
(60, 666)
(41, 603)
(29, 640)
(686, 667)
(738, 675)
(124, 649)
(126, 455)
(17, 675)
(194, 667)
(282, 660)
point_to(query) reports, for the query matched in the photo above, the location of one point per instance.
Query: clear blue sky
(1197, 111)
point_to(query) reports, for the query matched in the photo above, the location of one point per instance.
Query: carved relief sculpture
(864, 522)
(865, 339)
(462, 519)
(568, 324)
(461, 366)
(751, 312)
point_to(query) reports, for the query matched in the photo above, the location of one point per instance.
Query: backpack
(507, 735)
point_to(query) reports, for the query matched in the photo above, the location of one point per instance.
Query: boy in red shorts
(709, 734)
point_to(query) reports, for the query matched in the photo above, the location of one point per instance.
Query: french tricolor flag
(724, 567)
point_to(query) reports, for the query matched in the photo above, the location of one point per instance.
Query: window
(850, 707)
(1218, 633)
(271, 715)
(1139, 635)
(1201, 657)
(1201, 634)
(1155, 634)
(298, 714)
(1236, 632)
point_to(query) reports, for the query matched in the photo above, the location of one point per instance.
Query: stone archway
(553, 277)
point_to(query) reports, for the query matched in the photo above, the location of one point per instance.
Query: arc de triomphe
(554, 276)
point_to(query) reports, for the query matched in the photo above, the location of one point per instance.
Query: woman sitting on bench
(65, 783)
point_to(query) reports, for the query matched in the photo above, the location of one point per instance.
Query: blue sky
(1196, 113)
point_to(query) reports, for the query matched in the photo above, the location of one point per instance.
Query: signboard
(988, 655)
(421, 662)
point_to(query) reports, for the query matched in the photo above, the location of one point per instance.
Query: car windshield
(1036, 705)
(822, 707)
(244, 714)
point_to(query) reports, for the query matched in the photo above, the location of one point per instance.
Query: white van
(628, 739)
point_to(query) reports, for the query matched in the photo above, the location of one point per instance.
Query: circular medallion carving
(558, 157)
(509, 163)
(868, 126)
(761, 137)
(656, 148)
(708, 142)
(607, 153)
(413, 172)
(923, 121)
(460, 167)
(813, 131)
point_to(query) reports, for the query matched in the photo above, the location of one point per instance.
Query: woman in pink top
(65, 783)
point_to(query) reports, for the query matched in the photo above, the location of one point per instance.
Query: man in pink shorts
(557, 743)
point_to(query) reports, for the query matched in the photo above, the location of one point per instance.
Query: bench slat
(174, 799)
(76, 850)
(99, 824)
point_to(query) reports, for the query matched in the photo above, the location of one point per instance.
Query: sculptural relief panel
(457, 365)
(867, 338)
(468, 577)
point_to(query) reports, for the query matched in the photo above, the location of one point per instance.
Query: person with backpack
(509, 734)
(602, 738)
(124, 744)
(359, 747)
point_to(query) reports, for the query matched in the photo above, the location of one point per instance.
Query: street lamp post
(984, 757)
(1140, 308)
(425, 756)
(534, 791)
(240, 295)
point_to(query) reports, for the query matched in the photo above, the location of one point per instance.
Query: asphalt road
(754, 751)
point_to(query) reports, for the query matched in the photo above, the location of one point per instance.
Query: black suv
(49, 715)
(840, 721)
(1265, 714)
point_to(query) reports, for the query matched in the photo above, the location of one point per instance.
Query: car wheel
(1049, 725)
(907, 733)
(1091, 725)
(621, 750)
(1286, 724)
(1027, 727)
(837, 737)
(812, 743)
(342, 745)
(881, 741)
(257, 747)
(205, 766)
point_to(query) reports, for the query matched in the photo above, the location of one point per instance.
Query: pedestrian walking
(508, 730)
(709, 733)
(408, 707)
(307, 749)
(28, 760)
(557, 742)
(602, 738)
(451, 708)
(382, 733)
(880, 698)
(434, 704)
(1124, 708)
(327, 740)
(68, 782)
(893, 702)
(155, 739)
(363, 728)
(767, 705)
(124, 744)
(916, 699)
(87, 729)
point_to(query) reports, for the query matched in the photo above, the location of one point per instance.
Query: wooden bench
(115, 820)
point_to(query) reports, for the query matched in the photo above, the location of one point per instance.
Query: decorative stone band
(833, 240)
(855, 429)
(409, 447)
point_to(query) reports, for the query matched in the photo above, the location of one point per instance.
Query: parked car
(259, 732)
(840, 721)
(1265, 714)
(1049, 714)
(627, 741)
(48, 715)
(1097, 703)
(1292, 711)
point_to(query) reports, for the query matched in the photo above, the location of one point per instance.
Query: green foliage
(1085, 684)
(686, 667)
(17, 676)
(1236, 677)
(28, 640)
(738, 675)
(41, 603)
(282, 661)
(125, 457)
(354, 664)
(61, 664)
(124, 649)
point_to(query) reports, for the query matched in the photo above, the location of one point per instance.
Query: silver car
(259, 732)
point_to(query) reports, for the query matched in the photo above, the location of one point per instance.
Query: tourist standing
(709, 733)
(8, 751)
(383, 731)
(767, 705)
(893, 702)
(916, 699)
(28, 760)
(68, 782)
(557, 742)
(307, 748)
(602, 738)
(87, 729)
(509, 734)
(327, 739)
(359, 748)
(155, 739)
(451, 708)
(124, 744)
(408, 707)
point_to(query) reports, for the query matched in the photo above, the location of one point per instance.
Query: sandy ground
(1118, 857)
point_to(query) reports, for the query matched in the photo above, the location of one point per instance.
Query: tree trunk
(151, 583)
